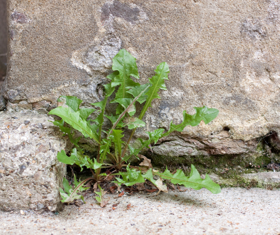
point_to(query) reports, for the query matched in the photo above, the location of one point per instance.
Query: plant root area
(233, 211)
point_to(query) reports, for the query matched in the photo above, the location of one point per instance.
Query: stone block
(30, 174)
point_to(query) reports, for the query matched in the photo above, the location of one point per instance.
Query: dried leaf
(140, 187)
(161, 186)
(113, 189)
(121, 194)
(146, 162)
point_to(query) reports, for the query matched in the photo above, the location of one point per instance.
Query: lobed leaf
(135, 91)
(72, 101)
(194, 181)
(74, 120)
(118, 141)
(134, 122)
(126, 66)
(125, 102)
(202, 114)
(130, 177)
(85, 112)
(157, 83)
(78, 159)
(158, 183)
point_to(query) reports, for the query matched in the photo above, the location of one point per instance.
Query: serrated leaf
(85, 112)
(100, 197)
(155, 135)
(67, 131)
(62, 157)
(134, 122)
(109, 89)
(194, 181)
(100, 104)
(118, 141)
(125, 102)
(202, 114)
(157, 83)
(74, 120)
(112, 76)
(76, 184)
(73, 102)
(66, 185)
(130, 177)
(78, 159)
(63, 195)
(153, 138)
(69, 195)
(158, 183)
(126, 66)
(105, 148)
(60, 124)
(135, 91)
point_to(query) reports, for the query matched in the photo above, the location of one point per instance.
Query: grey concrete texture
(235, 211)
(3, 33)
(30, 174)
(223, 54)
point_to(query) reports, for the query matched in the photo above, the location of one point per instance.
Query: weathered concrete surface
(223, 54)
(234, 211)
(3, 32)
(30, 174)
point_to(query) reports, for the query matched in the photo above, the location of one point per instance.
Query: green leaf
(66, 185)
(101, 104)
(72, 101)
(125, 102)
(100, 197)
(105, 148)
(130, 177)
(79, 159)
(135, 91)
(158, 183)
(194, 181)
(85, 112)
(109, 89)
(155, 135)
(76, 184)
(68, 131)
(118, 141)
(60, 124)
(69, 195)
(113, 75)
(96, 165)
(74, 120)
(63, 195)
(126, 66)
(62, 157)
(202, 114)
(157, 83)
(134, 122)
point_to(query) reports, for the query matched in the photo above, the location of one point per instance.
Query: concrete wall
(3, 31)
(222, 53)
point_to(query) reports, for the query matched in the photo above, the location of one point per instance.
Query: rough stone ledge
(30, 175)
(268, 180)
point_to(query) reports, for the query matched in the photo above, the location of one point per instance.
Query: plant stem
(125, 111)
(127, 143)
(100, 128)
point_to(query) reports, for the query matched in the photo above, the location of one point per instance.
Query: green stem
(100, 128)
(126, 110)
